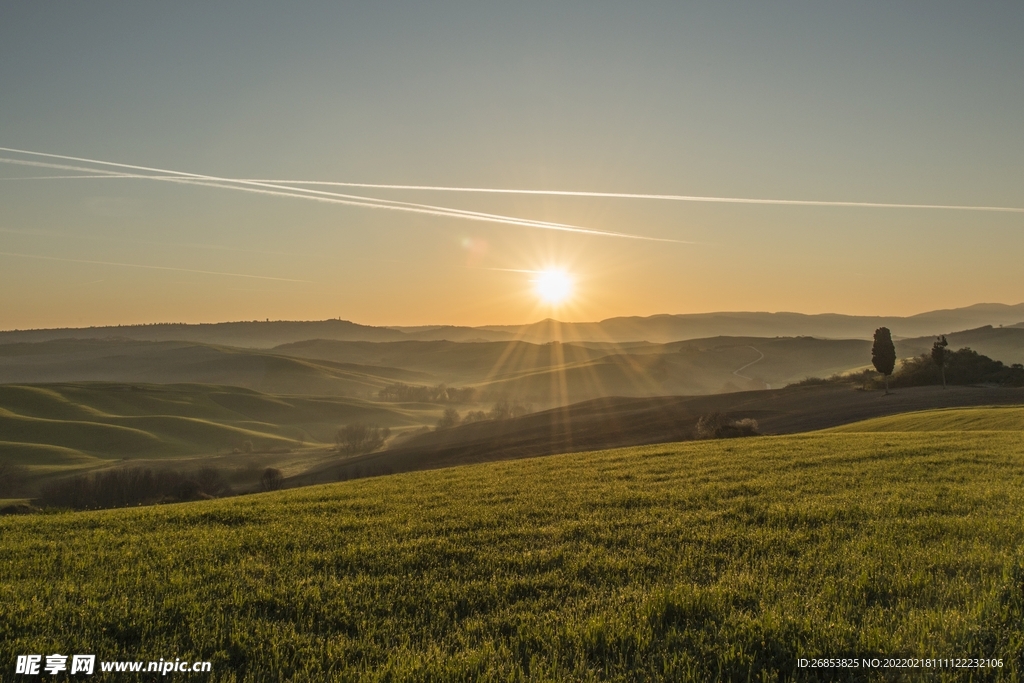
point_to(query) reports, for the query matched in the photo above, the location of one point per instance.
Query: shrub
(133, 486)
(421, 394)
(12, 479)
(212, 482)
(505, 409)
(720, 426)
(360, 437)
(271, 479)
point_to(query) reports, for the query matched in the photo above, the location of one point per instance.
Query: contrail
(329, 197)
(106, 176)
(139, 265)
(289, 185)
(666, 197)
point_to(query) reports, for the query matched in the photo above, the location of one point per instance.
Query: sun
(553, 286)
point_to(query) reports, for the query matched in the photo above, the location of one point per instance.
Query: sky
(875, 102)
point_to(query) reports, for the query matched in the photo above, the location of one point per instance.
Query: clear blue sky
(876, 102)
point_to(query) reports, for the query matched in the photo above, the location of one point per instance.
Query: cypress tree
(883, 354)
(940, 356)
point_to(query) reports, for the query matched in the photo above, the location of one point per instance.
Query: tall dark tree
(883, 354)
(940, 356)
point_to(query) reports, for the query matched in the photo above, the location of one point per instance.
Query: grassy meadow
(714, 560)
(980, 419)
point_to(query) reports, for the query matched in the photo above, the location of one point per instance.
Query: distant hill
(554, 373)
(453, 362)
(453, 333)
(544, 375)
(256, 333)
(657, 328)
(667, 328)
(1001, 343)
(125, 360)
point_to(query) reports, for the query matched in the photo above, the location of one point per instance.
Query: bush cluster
(721, 426)
(504, 409)
(965, 366)
(133, 486)
(421, 394)
(360, 437)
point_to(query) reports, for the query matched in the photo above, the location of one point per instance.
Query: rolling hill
(542, 374)
(125, 360)
(65, 428)
(983, 419)
(717, 560)
(453, 362)
(1001, 343)
(619, 421)
(565, 373)
(668, 328)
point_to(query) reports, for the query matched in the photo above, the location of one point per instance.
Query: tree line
(504, 409)
(410, 393)
(131, 486)
(940, 365)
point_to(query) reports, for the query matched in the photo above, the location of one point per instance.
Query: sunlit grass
(697, 561)
(988, 418)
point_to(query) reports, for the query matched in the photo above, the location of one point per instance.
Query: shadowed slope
(614, 422)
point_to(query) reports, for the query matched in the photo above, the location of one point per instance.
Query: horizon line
(398, 328)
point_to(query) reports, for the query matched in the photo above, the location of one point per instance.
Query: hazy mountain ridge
(657, 328)
(255, 333)
(668, 328)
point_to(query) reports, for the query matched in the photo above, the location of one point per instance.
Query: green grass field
(723, 560)
(989, 418)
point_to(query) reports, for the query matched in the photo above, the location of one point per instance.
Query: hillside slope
(726, 560)
(984, 419)
(619, 421)
(57, 429)
(1000, 343)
